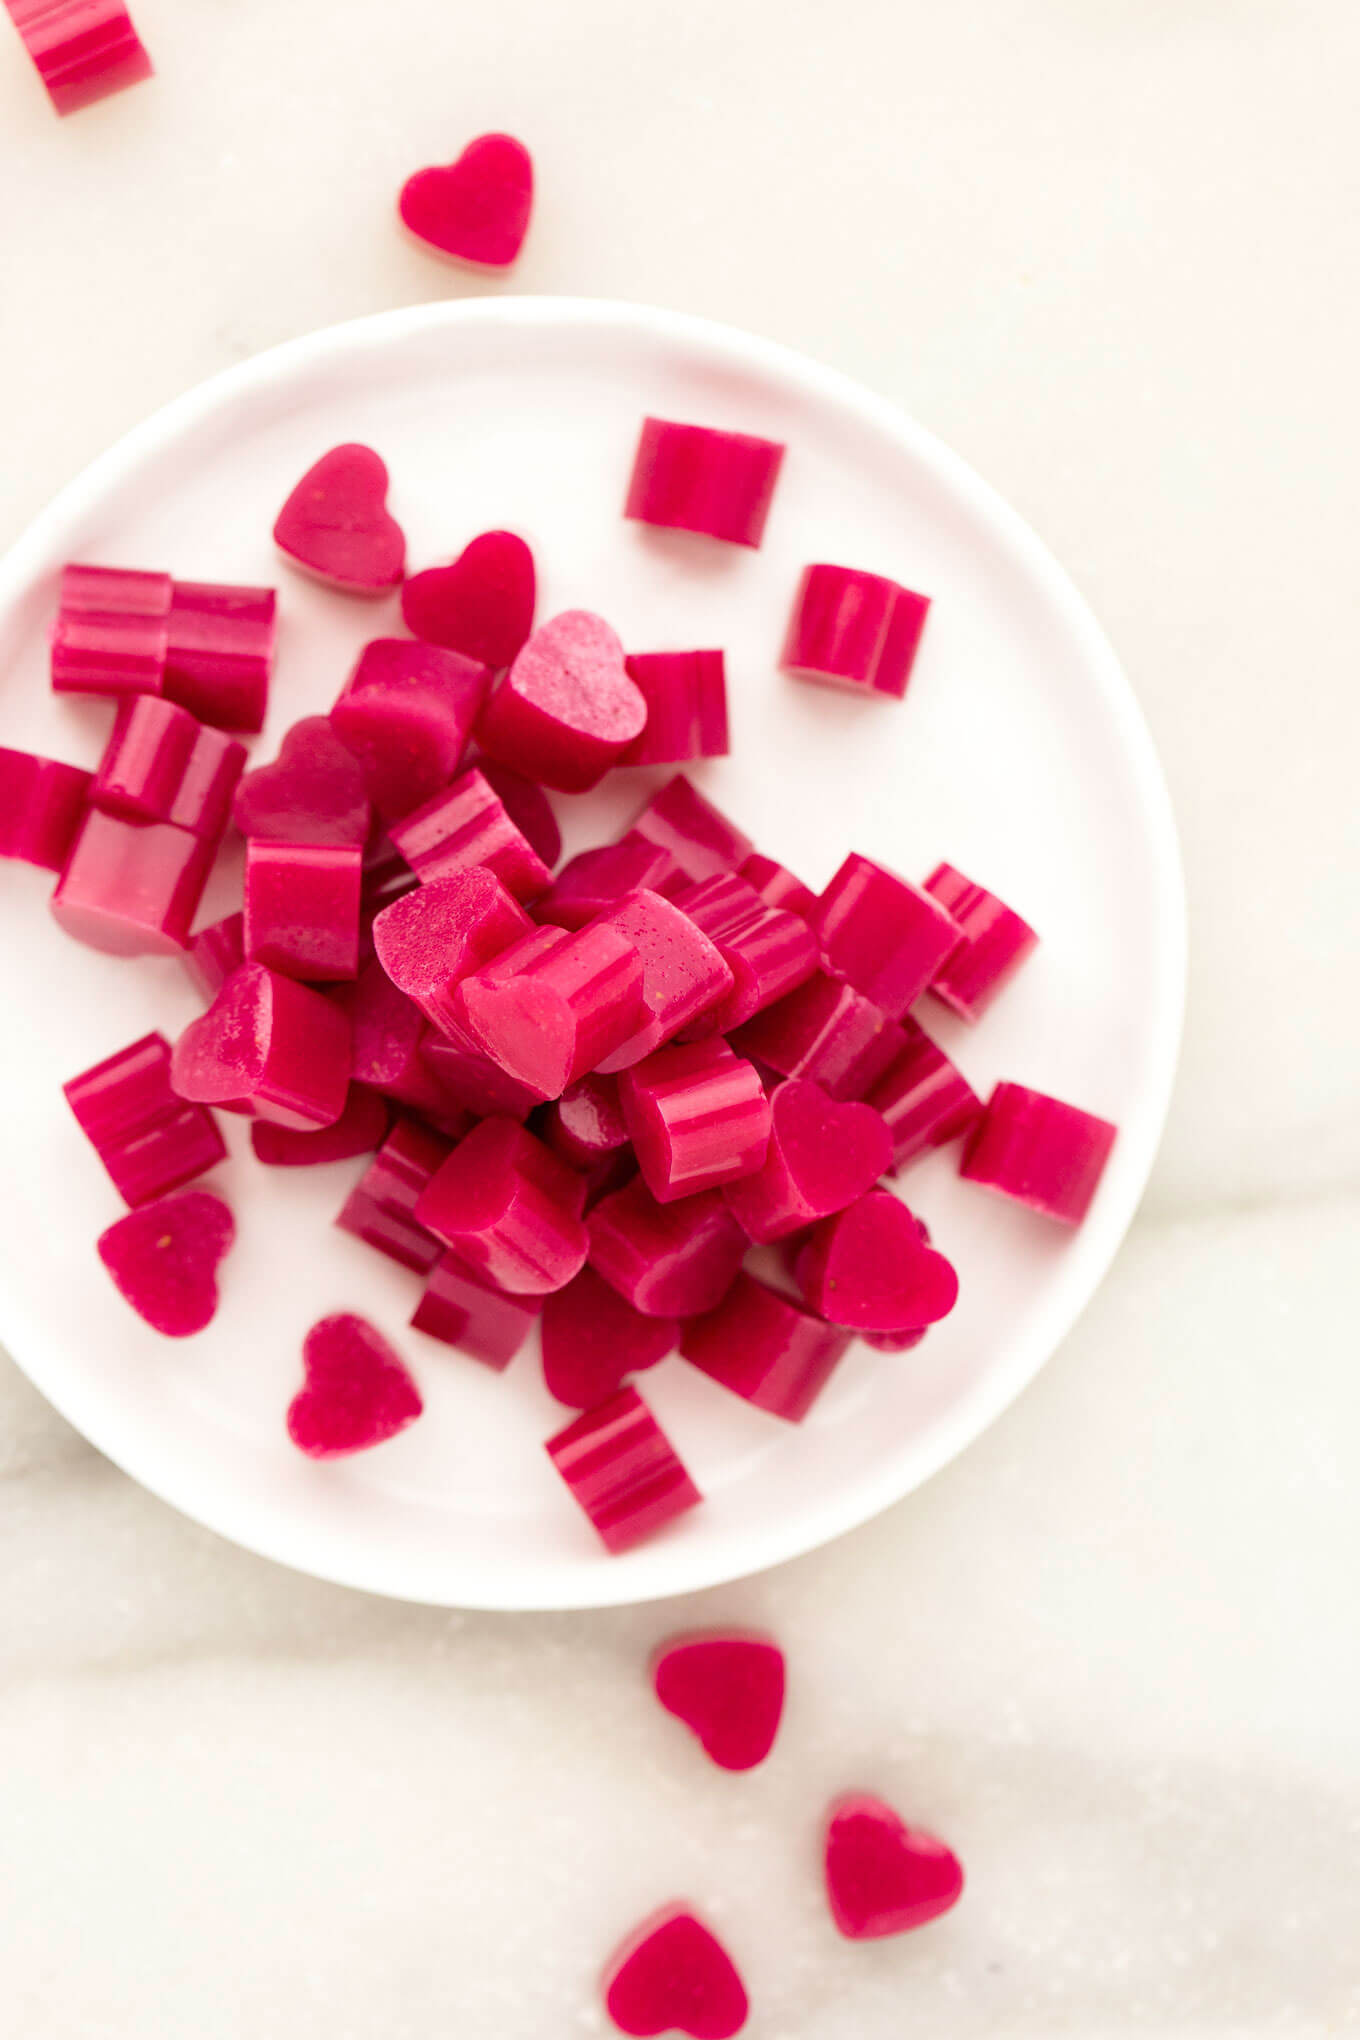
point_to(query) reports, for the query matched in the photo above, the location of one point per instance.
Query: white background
(1106, 248)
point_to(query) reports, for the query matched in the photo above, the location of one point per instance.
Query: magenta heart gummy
(870, 1269)
(406, 713)
(357, 1391)
(163, 1259)
(313, 792)
(728, 1687)
(336, 523)
(566, 711)
(267, 1042)
(431, 939)
(361, 1128)
(854, 630)
(477, 208)
(1040, 1151)
(822, 1156)
(668, 1260)
(593, 1340)
(553, 1006)
(883, 1877)
(510, 1208)
(674, 1975)
(482, 605)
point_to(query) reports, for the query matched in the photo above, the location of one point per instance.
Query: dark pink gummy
(42, 804)
(1039, 1151)
(83, 49)
(854, 630)
(769, 951)
(132, 888)
(566, 711)
(220, 652)
(886, 937)
(481, 605)
(528, 807)
(161, 765)
(464, 1308)
(112, 631)
(622, 1470)
(302, 908)
(667, 1260)
(827, 1031)
(699, 838)
(387, 1030)
(673, 1974)
(595, 880)
(149, 1140)
(923, 1097)
(883, 1877)
(593, 1340)
(357, 1392)
(686, 697)
(380, 1210)
(682, 972)
(313, 792)
(268, 1042)
(336, 525)
(361, 1128)
(995, 944)
(698, 1116)
(554, 1006)
(778, 887)
(431, 939)
(215, 952)
(406, 712)
(474, 1081)
(510, 1208)
(163, 1259)
(586, 1124)
(694, 478)
(869, 1267)
(727, 1686)
(477, 208)
(467, 825)
(822, 1155)
(765, 1349)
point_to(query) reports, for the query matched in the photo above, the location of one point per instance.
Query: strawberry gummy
(163, 1259)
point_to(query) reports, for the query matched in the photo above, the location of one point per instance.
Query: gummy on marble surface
(727, 1686)
(995, 944)
(313, 792)
(431, 939)
(566, 711)
(380, 1210)
(1040, 1151)
(595, 880)
(823, 1154)
(925, 1100)
(698, 1117)
(682, 972)
(268, 1042)
(336, 525)
(83, 49)
(768, 950)
(623, 1470)
(593, 1340)
(132, 888)
(406, 712)
(302, 908)
(886, 937)
(148, 1138)
(357, 1392)
(112, 631)
(220, 652)
(694, 478)
(758, 1343)
(509, 1207)
(686, 697)
(674, 1975)
(361, 1128)
(870, 1267)
(883, 1877)
(477, 208)
(667, 1260)
(42, 804)
(465, 825)
(164, 1257)
(481, 604)
(698, 836)
(825, 1030)
(854, 630)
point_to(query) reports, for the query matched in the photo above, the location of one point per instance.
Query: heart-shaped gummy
(566, 710)
(883, 1877)
(163, 1259)
(729, 1688)
(822, 1156)
(674, 1975)
(336, 523)
(593, 1340)
(476, 209)
(870, 1269)
(313, 792)
(357, 1394)
(482, 605)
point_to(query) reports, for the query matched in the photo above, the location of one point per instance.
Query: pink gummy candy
(132, 888)
(778, 887)
(433, 938)
(163, 1259)
(822, 1156)
(162, 765)
(149, 1140)
(482, 605)
(1040, 1151)
(995, 944)
(112, 631)
(336, 525)
(566, 711)
(387, 1030)
(727, 1686)
(622, 1470)
(682, 973)
(361, 1128)
(686, 697)
(464, 1308)
(854, 630)
(357, 1392)
(270, 1043)
(765, 1349)
(768, 950)
(593, 1340)
(477, 1083)
(406, 712)
(477, 208)
(510, 1208)
(220, 652)
(302, 908)
(528, 807)
(313, 792)
(868, 1267)
(923, 1097)
(700, 839)
(42, 804)
(380, 1210)
(827, 1031)
(554, 1006)
(887, 937)
(883, 1877)
(667, 1260)
(674, 1975)
(586, 1124)
(595, 880)
(466, 825)
(83, 49)
(696, 479)
(215, 952)
(698, 1116)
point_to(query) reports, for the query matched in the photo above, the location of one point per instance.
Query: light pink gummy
(854, 630)
(554, 1006)
(266, 1041)
(132, 888)
(566, 711)
(682, 973)
(698, 1117)
(695, 478)
(431, 939)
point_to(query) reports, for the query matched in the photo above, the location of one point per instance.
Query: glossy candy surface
(822, 1155)
(215, 952)
(465, 1308)
(667, 1260)
(566, 711)
(42, 804)
(923, 1097)
(682, 972)
(827, 1031)
(528, 807)
(220, 652)
(1039, 1151)
(380, 1210)
(162, 765)
(510, 1208)
(477, 208)
(83, 49)
(886, 937)
(727, 1686)
(593, 1340)
(267, 1042)
(777, 886)
(883, 1877)
(854, 630)
(302, 908)
(764, 1348)
(995, 944)
(554, 1006)
(694, 478)
(477, 1083)
(869, 1267)
(768, 950)
(112, 631)
(674, 1975)
(357, 1392)
(406, 712)
(586, 1124)
(482, 604)
(698, 836)
(622, 1470)
(686, 697)
(431, 939)
(465, 825)
(149, 1140)
(164, 1257)
(698, 1116)
(336, 525)
(361, 1128)
(132, 888)
(313, 792)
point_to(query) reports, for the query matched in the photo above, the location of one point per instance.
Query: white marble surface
(1106, 248)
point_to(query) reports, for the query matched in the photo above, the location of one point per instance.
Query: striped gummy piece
(83, 49)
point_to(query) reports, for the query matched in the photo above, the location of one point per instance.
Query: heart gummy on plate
(313, 792)
(567, 710)
(477, 208)
(728, 1687)
(870, 1269)
(357, 1391)
(481, 605)
(674, 1975)
(163, 1258)
(822, 1156)
(883, 1877)
(336, 524)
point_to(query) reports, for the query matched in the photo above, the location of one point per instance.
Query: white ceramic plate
(1020, 756)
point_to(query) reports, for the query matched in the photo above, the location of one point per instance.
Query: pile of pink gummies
(588, 1093)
